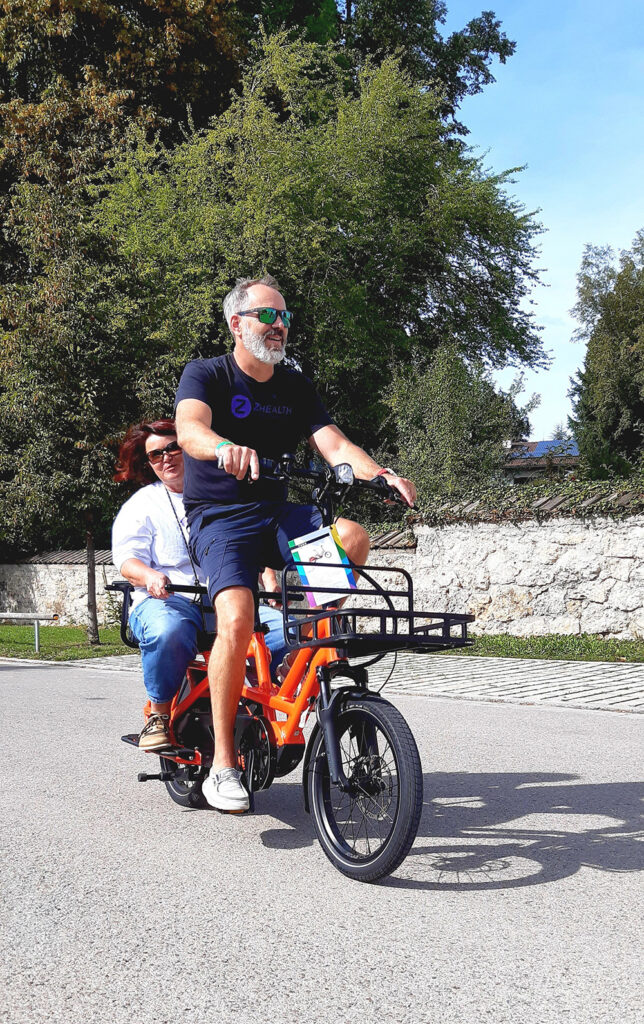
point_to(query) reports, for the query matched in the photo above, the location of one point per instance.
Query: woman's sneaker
(155, 734)
(224, 790)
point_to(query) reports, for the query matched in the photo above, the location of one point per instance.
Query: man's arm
(335, 447)
(199, 440)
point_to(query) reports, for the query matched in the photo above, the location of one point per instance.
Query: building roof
(398, 539)
(543, 449)
(65, 558)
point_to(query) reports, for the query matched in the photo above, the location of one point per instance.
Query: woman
(150, 548)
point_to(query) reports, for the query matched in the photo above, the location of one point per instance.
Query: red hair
(132, 463)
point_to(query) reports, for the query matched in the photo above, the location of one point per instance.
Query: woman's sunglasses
(157, 453)
(268, 315)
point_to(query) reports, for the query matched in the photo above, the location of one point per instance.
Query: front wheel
(368, 831)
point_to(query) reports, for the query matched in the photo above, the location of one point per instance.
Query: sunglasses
(268, 315)
(157, 453)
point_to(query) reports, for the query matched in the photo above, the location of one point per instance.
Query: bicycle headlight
(343, 473)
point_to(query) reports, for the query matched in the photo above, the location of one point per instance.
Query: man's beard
(254, 343)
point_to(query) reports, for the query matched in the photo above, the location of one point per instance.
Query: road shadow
(467, 840)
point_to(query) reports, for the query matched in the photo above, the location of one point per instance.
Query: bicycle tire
(183, 788)
(387, 790)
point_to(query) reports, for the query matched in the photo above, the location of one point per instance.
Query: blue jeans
(166, 631)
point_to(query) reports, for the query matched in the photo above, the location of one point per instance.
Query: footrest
(132, 738)
(184, 752)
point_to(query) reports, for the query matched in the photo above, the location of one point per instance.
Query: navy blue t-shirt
(270, 416)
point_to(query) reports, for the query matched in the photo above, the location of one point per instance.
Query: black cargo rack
(385, 619)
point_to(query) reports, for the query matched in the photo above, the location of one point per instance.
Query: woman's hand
(155, 584)
(268, 581)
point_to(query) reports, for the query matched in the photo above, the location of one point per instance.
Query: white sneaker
(224, 790)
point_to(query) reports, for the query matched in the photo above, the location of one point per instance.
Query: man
(238, 408)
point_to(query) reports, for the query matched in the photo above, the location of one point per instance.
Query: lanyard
(197, 597)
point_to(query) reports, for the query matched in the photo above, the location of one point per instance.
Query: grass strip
(59, 643)
(69, 643)
(554, 647)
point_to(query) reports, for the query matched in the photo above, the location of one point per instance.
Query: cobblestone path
(611, 686)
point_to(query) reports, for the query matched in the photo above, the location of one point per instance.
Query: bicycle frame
(308, 677)
(321, 655)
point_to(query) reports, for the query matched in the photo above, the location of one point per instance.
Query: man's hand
(405, 487)
(155, 584)
(335, 447)
(268, 581)
(236, 459)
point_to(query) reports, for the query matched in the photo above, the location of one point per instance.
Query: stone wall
(557, 576)
(56, 590)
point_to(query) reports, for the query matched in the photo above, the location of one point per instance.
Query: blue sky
(570, 105)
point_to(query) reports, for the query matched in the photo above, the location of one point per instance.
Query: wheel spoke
(364, 817)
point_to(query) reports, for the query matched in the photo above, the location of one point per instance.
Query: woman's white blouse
(145, 528)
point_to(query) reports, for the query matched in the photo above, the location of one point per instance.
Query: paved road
(518, 904)
(607, 686)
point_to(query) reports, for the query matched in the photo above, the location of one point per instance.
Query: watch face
(343, 473)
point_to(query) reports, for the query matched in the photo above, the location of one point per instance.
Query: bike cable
(390, 674)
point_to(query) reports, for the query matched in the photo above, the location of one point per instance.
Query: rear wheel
(368, 831)
(185, 785)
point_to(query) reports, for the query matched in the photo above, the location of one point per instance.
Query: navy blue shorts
(233, 544)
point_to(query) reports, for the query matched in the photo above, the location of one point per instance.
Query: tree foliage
(456, 66)
(608, 393)
(450, 423)
(67, 382)
(385, 236)
(127, 218)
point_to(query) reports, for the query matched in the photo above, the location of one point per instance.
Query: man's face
(267, 342)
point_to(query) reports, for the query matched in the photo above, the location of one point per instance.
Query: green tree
(450, 424)
(74, 75)
(608, 393)
(384, 236)
(456, 66)
(69, 386)
(561, 432)
(317, 20)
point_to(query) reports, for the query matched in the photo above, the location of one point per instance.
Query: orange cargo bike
(361, 773)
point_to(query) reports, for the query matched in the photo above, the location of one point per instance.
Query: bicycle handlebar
(198, 588)
(286, 469)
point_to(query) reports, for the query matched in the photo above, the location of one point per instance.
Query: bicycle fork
(327, 713)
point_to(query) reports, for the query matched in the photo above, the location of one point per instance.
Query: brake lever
(391, 493)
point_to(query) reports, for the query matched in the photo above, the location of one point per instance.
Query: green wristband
(221, 445)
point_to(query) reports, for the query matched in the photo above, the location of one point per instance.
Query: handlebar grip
(380, 486)
(181, 588)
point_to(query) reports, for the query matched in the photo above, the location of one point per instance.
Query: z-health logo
(240, 406)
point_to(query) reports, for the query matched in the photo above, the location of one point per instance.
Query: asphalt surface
(602, 685)
(519, 901)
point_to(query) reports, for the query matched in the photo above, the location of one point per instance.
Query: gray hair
(236, 299)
